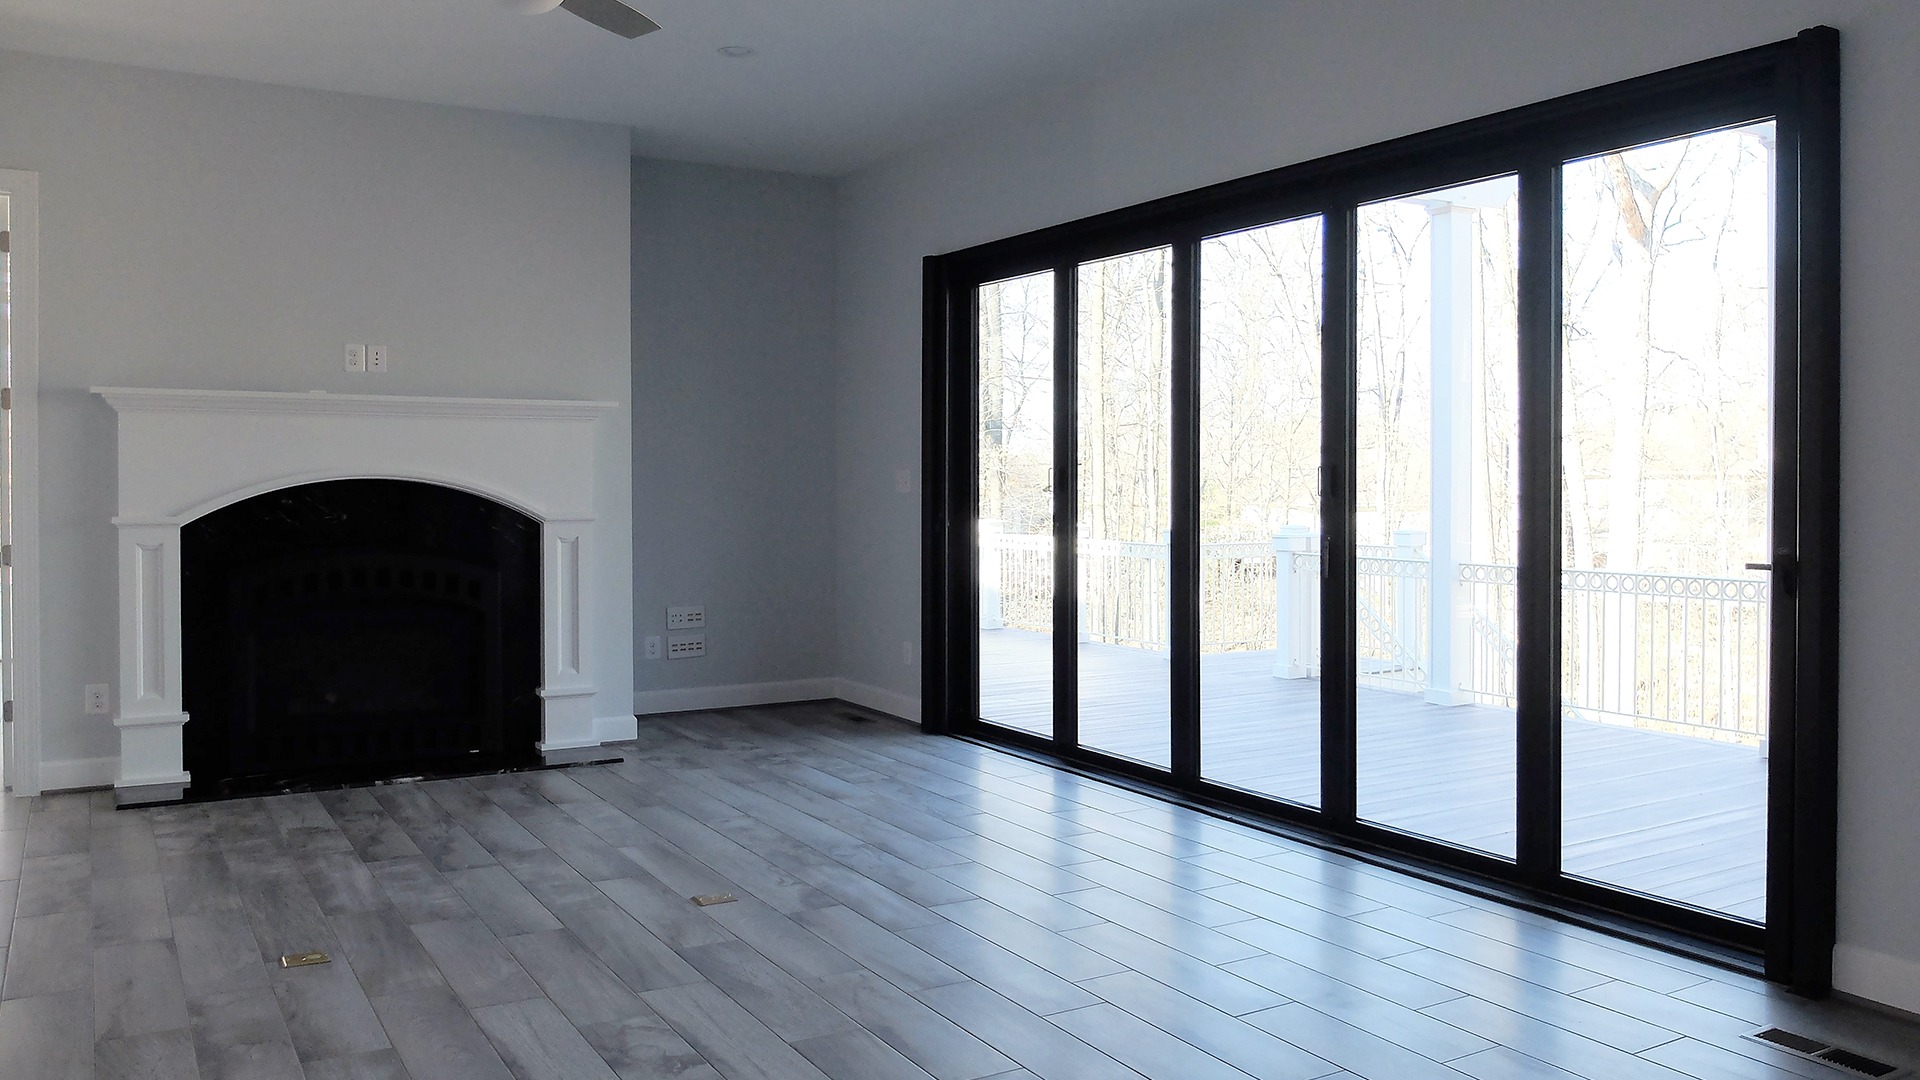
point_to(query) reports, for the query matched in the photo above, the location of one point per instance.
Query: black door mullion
(1785, 542)
(1066, 509)
(1183, 558)
(1803, 771)
(1537, 586)
(953, 508)
(1338, 349)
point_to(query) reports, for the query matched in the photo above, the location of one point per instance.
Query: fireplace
(392, 585)
(358, 629)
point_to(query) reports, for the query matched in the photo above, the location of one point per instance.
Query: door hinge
(6, 398)
(6, 241)
(6, 713)
(6, 554)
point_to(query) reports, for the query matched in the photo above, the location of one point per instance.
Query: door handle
(1759, 566)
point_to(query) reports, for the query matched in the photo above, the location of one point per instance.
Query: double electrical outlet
(364, 358)
(681, 646)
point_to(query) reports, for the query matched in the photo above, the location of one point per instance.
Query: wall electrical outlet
(377, 359)
(681, 646)
(356, 358)
(96, 698)
(687, 617)
(653, 647)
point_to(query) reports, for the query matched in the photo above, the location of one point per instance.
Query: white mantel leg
(566, 571)
(151, 714)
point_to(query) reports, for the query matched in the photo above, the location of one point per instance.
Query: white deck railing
(1680, 653)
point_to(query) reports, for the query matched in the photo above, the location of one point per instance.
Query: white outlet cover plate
(686, 617)
(653, 647)
(682, 646)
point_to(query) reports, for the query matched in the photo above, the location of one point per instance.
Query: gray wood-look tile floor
(906, 907)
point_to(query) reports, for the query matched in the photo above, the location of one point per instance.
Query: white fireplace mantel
(185, 453)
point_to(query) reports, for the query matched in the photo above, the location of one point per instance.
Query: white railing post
(1081, 562)
(990, 616)
(1162, 605)
(1408, 545)
(1292, 591)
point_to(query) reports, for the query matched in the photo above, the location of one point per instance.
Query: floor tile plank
(932, 1041)
(1251, 1050)
(537, 1043)
(728, 1036)
(1039, 1046)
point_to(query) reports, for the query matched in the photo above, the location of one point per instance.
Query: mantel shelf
(125, 399)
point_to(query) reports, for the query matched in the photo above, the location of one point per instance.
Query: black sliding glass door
(1014, 512)
(1467, 498)
(1259, 553)
(1667, 403)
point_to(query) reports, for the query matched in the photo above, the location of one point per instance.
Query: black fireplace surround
(355, 630)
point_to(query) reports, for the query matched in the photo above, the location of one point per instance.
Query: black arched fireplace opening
(354, 630)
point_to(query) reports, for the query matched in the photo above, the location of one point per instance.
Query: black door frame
(1794, 82)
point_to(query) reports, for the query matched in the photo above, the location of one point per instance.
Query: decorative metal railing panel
(1671, 652)
(1026, 580)
(1237, 603)
(1391, 602)
(1123, 593)
(1491, 599)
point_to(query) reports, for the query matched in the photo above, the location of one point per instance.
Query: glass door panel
(1260, 361)
(1016, 532)
(1436, 428)
(1666, 395)
(1124, 347)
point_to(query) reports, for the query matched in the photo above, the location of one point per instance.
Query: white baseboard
(608, 729)
(904, 706)
(648, 702)
(1889, 980)
(76, 773)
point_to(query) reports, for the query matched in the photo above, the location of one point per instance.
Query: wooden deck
(1676, 817)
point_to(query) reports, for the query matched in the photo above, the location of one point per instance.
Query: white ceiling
(832, 85)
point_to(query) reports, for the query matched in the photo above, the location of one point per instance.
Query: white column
(151, 717)
(990, 617)
(1294, 598)
(1449, 627)
(566, 691)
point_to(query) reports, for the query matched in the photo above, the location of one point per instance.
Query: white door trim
(23, 196)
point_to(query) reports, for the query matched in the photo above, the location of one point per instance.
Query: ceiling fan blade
(612, 15)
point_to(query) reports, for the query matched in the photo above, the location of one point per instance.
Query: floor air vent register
(1847, 1061)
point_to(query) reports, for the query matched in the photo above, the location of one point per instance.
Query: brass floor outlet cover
(304, 959)
(716, 898)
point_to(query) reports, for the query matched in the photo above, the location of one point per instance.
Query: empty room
(1067, 539)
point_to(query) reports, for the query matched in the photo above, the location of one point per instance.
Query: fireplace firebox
(353, 630)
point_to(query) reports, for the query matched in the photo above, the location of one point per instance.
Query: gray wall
(733, 430)
(207, 233)
(1296, 81)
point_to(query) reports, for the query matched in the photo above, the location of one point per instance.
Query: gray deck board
(1670, 815)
